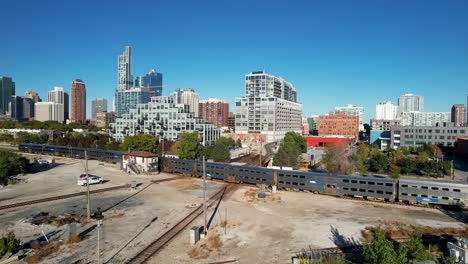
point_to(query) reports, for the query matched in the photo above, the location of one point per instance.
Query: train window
(445, 198)
(281, 182)
(456, 199)
(281, 174)
(414, 186)
(362, 190)
(380, 183)
(435, 188)
(388, 192)
(445, 189)
(414, 195)
(345, 188)
(288, 183)
(388, 184)
(263, 179)
(345, 180)
(380, 192)
(302, 177)
(371, 183)
(404, 194)
(404, 185)
(353, 181)
(354, 189)
(362, 182)
(435, 196)
(456, 190)
(424, 187)
(294, 183)
(302, 184)
(371, 191)
(329, 186)
(425, 196)
(294, 176)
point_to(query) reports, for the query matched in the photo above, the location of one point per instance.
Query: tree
(433, 151)
(407, 165)
(394, 171)
(12, 243)
(379, 162)
(238, 143)
(290, 148)
(422, 157)
(363, 152)
(397, 156)
(141, 142)
(188, 145)
(11, 164)
(415, 249)
(227, 141)
(336, 160)
(220, 153)
(381, 250)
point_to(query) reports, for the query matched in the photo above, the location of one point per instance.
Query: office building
(66, 106)
(352, 110)
(125, 77)
(188, 97)
(78, 101)
(57, 96)
(409, 103)
(28, 108)
(46, 111)
(215, 111)
(424, 118)
(458, 115)
(268, 109)
(381, 138)
(7, 89)
(339, 124)
(15, 107)
(383, 124)
(98, 105)
(153, 81)
(386, 111)
(130, 99)
(33, 95)
(104, 118)
(443, 135)
(232, 120)
(163, 118)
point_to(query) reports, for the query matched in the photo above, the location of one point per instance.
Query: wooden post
(88, 209)
(204, 196)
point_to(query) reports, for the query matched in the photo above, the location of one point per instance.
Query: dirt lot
(272, 230)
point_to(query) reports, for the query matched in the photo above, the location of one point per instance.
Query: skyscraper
(7, 89)
(46, 111)
(15, 107)
(78, 101)
(458, 115)
(352, 110)
(125, 81)
(269, 109)
(152, 80)
(215, 111)
(409, 103)
(33, 95)
(66, 106)
(386, 111)
(191, 99)
(58, 96)
(98, 105)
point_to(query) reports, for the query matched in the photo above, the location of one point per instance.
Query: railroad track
(144, 255)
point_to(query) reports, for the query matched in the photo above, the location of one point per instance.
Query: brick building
(338, 124)
(78, 101)
(215, 111)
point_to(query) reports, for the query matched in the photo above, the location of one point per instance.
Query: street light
(99, 218)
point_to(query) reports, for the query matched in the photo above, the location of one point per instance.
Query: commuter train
(367, 187)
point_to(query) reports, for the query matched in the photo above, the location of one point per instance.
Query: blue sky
(334, 52)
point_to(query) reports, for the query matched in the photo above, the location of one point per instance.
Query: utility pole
(261, 149)
(204, 195)
(88, 209)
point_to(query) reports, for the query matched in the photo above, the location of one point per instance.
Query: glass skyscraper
(7, 89)
(152, 80)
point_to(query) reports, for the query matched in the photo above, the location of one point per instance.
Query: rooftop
(142, 154)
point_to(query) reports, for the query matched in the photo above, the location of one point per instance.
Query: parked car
(92, 180)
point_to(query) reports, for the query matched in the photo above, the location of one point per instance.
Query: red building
(215, 111)
(320, 142)
(78, 101)
(338, 124)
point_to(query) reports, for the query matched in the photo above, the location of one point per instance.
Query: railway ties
(155, 246)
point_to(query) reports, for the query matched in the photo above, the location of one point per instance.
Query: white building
(49, 111)
(189, 97)
(416, 118)
(136, 162)
(269, 107)
(125, 77)
(353, 110)
(386, 111)
(410, 102)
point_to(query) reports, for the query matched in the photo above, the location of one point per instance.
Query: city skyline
(379, 57)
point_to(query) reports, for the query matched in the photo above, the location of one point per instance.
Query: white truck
(92, 180)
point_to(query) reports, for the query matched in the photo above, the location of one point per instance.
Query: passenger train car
(366, 187)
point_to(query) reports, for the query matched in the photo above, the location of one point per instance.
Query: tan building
(458, 115)
(78, 101)
(33, 95)
(104, 118)
(338, 124)
(46, 111)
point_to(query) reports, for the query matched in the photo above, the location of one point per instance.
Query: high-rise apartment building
(191, 99)
(58, 96)
(49, 111)
(78, 101)
(153, 81)
(424, 118)
(33, 95)
(352, 110)
(269, 107)
(125, 81)
(386, 111)
(7, 89)
(409, 103)
(104, 118)
(232, 120)
(215, 111)
(98, 105)
(339, 124)
(28, 108)
(458, 115)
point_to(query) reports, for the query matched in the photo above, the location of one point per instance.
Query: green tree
(379, 162)
(394, 171)
(415, 249)
(188, 145)
(446, 167)
(290, 148)
(407, 165)
(238, 143)
(11, 164)
(422, 157)
(451, 260)
(220, 153)
(363, 152)
(397, 156)
(381, 250)
(142, 142)
(12, 243)
(227, 141)
(3, 246)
